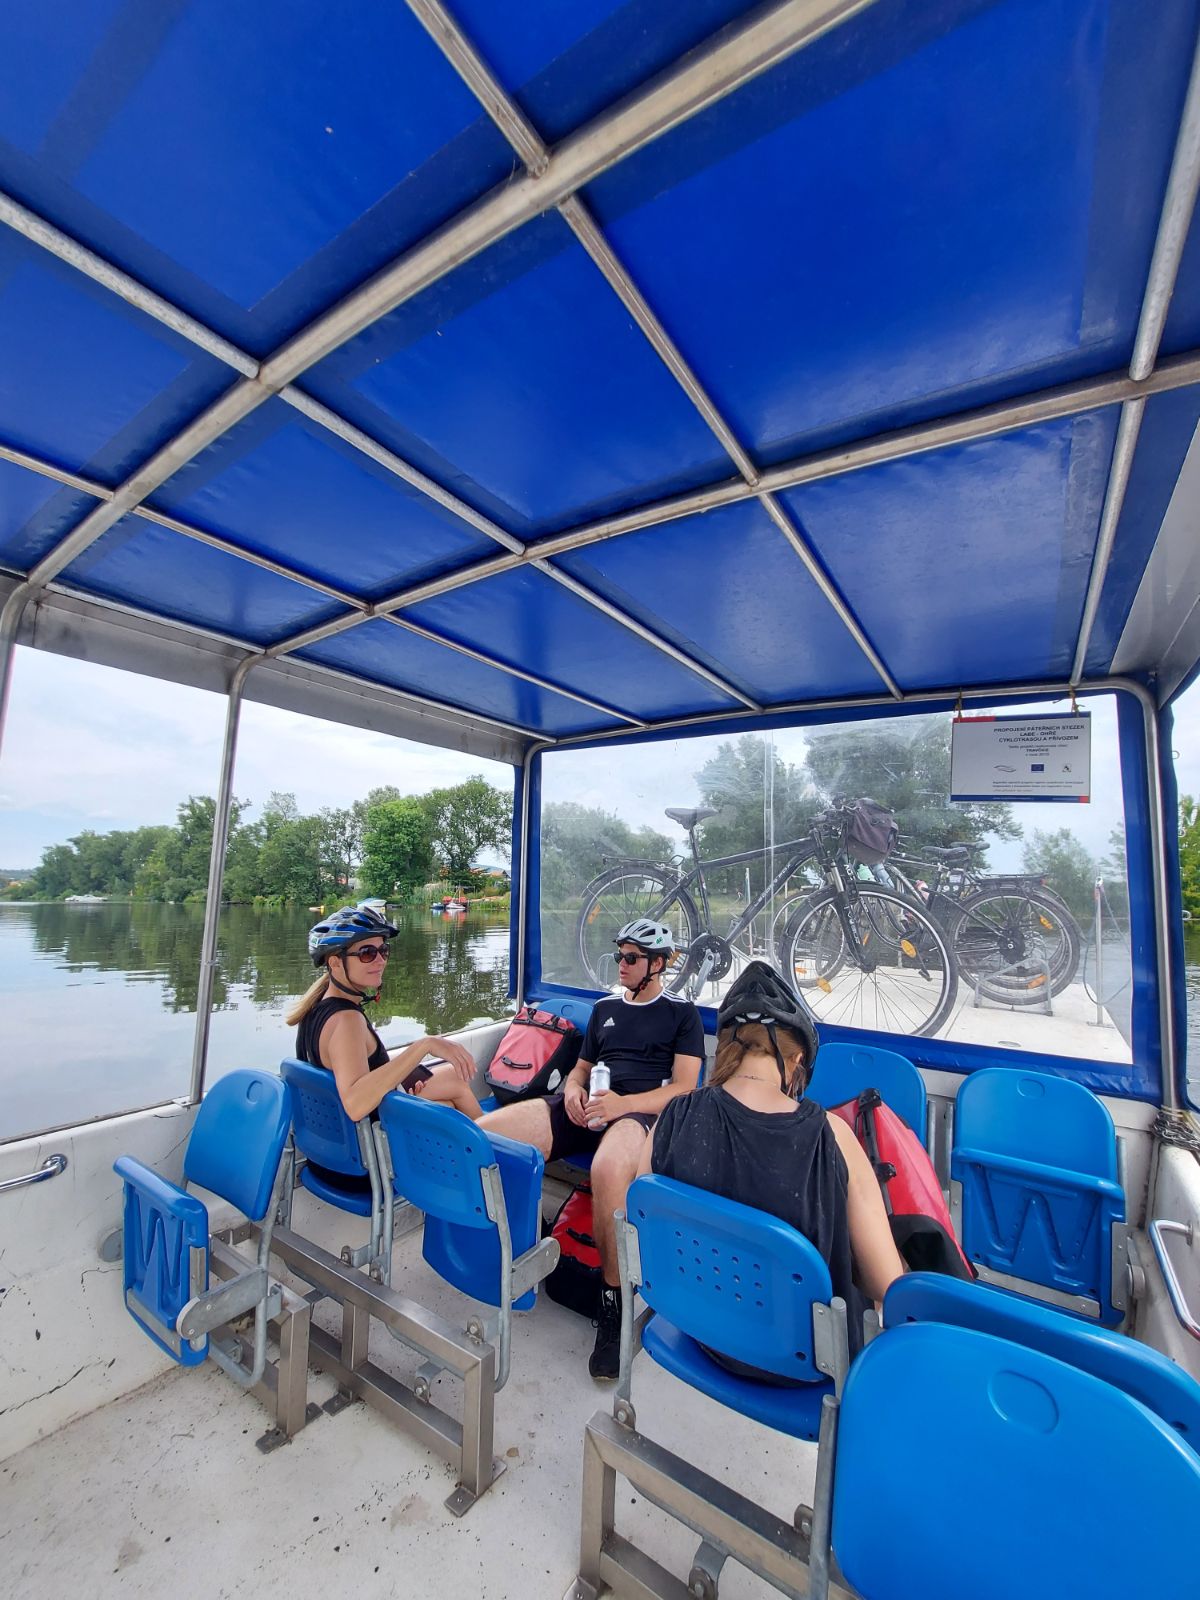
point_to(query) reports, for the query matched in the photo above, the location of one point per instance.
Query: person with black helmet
(351, 949)
(750, 1135)
(652, 1044)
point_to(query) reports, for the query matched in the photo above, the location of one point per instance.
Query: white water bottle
(599, 1083)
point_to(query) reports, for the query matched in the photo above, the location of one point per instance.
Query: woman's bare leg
(446, 1087)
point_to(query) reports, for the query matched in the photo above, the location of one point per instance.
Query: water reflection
(444, 970)
(102, 997)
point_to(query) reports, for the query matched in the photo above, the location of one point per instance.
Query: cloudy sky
(90, 747)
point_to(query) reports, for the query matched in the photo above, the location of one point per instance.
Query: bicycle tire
(913, 981)
(828, 951)
(628, 890)
(1015, 942)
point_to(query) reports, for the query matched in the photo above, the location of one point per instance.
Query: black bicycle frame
(808, 849)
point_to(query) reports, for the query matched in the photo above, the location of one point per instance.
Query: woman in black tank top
(351, 949)
(746, 1137)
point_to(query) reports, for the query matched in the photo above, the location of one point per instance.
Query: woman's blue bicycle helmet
(344, 928)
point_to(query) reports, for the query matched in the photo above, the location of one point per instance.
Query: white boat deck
(1071, 1030)
(165, 1492)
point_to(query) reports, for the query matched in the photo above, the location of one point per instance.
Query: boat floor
(164, 1491)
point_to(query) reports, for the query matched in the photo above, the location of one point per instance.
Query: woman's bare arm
(875, 1254)
(345, 1045)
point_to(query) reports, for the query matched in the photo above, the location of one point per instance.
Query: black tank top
(308, 1034)
(786, 1163)
(308, 1048)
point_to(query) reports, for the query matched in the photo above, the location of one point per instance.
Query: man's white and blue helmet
(343, 928)
(655, 938)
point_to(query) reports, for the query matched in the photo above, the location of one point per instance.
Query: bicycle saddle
(954, 852)
(689, 819)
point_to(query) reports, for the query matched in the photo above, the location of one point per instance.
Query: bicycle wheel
(887, 967)
(822, 954)
(1015, 942)
(632, 889)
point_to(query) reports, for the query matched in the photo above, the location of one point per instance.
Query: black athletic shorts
(567, 1138)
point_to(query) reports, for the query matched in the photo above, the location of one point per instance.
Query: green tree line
(387, 843)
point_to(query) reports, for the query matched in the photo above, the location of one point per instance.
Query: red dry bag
(576, 1280)
(913, 1197)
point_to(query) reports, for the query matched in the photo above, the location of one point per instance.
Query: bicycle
(1013, 936)
(893, 969)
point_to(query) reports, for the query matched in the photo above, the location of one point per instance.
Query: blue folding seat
(235, 1151)
(958, 1463)
(1165, 1388)
(1041, 1200)
(714, 1275)
(722, 1276)
(481, 1195)
(344, 1150)
(843, 1071)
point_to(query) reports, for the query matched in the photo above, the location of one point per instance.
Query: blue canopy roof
(578, 368)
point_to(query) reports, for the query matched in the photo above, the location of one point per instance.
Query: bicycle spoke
(896, 975)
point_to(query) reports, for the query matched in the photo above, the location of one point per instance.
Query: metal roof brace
(525, 140)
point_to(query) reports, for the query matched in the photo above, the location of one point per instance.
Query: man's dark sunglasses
(624, 959)
(368, 952)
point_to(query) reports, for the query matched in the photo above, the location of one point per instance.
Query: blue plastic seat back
(843, 1071)
(238, 1139)
(1031, 1116)
(323, 1131)
(162, 1225)
(1166, 1389)
(438, 1156)
(468, 1257)
(1059, 1483)
(732, 1278)
(1037, 1160)
(572, 1007)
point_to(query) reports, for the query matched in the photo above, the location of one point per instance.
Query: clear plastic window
(1000, 923)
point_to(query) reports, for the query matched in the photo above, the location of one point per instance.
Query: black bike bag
(871, 832)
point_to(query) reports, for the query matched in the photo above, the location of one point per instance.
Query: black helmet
(759, 994)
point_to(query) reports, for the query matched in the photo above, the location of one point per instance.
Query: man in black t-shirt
(653, 1045)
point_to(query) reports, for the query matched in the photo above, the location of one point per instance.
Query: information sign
(1022, 758)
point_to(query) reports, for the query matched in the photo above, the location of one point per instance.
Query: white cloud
(91, 747)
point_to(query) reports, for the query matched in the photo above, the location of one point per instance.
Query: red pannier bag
(575, 1281)
(916, 1209)
(534, 1056)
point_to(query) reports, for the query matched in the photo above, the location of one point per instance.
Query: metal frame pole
(10, 622)
(1174, 221)
(523, 884)
(216, 874)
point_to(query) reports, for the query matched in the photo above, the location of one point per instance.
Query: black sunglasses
(624, 959)
(369, 952)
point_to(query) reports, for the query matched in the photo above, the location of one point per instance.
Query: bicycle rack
(1046, 1007)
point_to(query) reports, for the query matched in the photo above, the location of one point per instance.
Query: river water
(97, 1002)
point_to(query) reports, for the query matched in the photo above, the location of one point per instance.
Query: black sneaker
(605, 1362)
